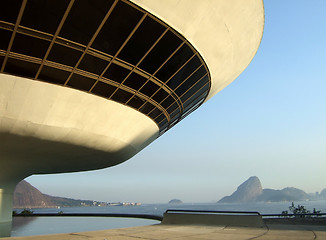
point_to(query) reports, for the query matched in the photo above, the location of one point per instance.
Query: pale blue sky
(270, 122)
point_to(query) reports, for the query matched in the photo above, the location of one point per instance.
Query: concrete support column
(6, 205)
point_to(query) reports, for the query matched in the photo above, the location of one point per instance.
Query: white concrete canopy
(47, 128)
(227, 33)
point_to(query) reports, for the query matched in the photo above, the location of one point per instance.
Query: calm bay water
(27, 226)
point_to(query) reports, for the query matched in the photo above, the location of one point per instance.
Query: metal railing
(119, 215)
(247, 213)
(294, 215)
(160, 218)
(214, 212)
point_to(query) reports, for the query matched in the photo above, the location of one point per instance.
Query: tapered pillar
(6, 205)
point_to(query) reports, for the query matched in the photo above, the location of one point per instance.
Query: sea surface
(28, 226)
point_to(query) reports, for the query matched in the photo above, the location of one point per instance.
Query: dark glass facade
(109, 48)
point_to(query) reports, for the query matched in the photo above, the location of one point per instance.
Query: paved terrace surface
(195, 232)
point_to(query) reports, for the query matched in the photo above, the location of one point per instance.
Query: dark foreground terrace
(207, 226)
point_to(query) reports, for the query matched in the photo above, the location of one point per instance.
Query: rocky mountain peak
(26, 195)
(246, 192)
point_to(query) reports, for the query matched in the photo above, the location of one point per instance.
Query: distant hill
(318, 196)
(323, 194)
(246, 192)
(27, 196)
(251, 191)
(286, 194)
(175, 201)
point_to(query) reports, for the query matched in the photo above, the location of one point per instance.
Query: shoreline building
(87, 84)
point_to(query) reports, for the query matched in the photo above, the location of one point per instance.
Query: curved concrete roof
(49, 128)
(226, 33)
(45, 128)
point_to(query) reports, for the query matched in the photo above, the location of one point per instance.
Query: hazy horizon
(212, 201)
(270, 123)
